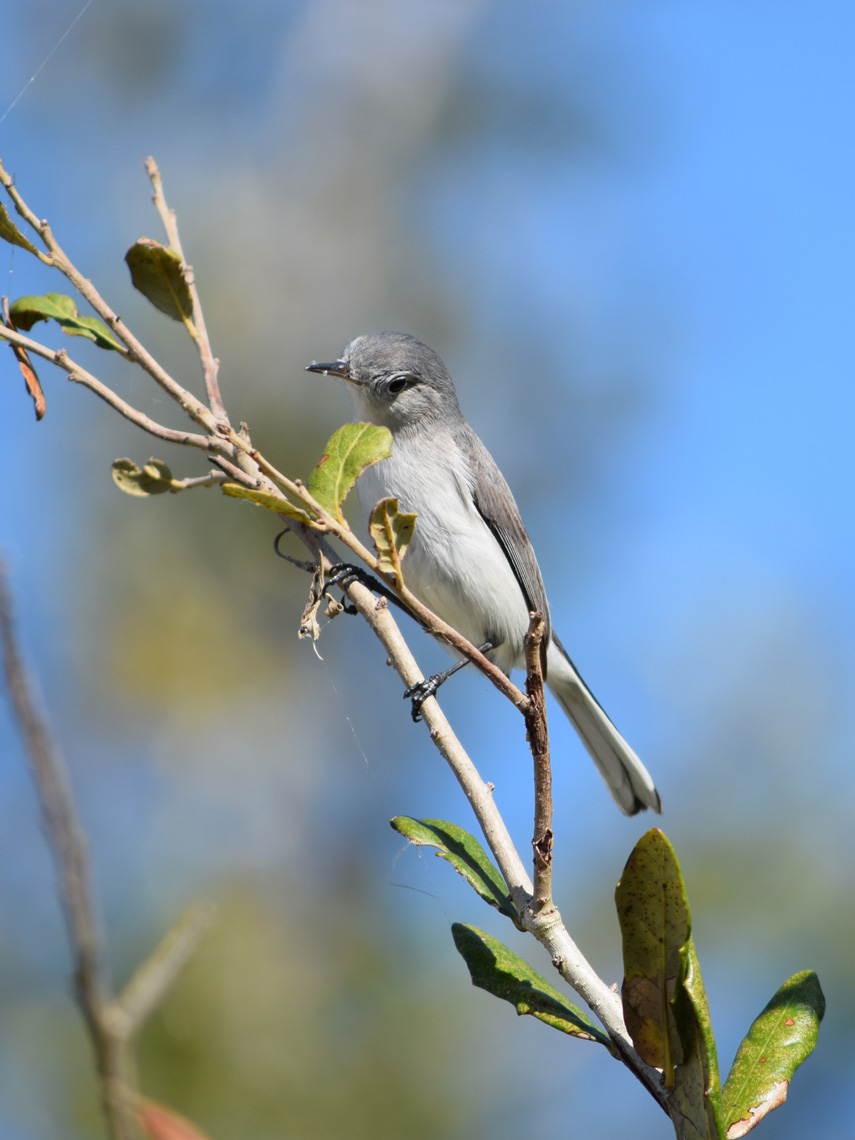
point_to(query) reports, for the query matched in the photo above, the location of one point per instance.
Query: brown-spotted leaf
(158, 273)
(349, 451)
(655, 926)
(391, 531)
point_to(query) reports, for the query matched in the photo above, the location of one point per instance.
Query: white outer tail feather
(626, 777)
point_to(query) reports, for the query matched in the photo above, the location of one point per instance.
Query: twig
(194, 408)
(215, 479)
(68, 844)
(538, 741)
(210, 365)
(80, 375)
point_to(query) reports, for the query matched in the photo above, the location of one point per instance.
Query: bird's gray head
(394, 380)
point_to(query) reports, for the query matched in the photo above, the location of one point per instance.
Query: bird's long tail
(627, 778)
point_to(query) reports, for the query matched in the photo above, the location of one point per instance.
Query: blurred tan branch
(147, 988)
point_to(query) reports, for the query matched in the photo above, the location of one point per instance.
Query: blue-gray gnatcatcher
(470, 559)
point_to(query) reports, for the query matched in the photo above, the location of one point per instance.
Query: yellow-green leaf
(263, 499)
(655, 926)
(10, 232)
(350, 450)
(154, 478)
(391, 531)
(27, 310)
(158, 273)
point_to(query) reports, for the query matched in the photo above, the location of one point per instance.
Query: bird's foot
(420, 692)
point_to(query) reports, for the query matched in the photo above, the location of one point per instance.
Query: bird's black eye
(398, 383)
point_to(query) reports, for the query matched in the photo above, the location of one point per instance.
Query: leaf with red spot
(783, 1036)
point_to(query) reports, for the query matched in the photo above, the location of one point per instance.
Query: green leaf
(695, 1103)
(350, 450)
(496, 969)
(783, 1036)
(655, 926)
(9, 232)
(153, 479)
(391, 531)
(272, 502)
(27, 310)
(464, 853)
(158, 273)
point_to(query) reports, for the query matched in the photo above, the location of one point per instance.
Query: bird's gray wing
(497, 507)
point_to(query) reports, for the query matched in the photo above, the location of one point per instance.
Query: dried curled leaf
(158, 273)
(154, 478)
(391, 531)
(32, 381)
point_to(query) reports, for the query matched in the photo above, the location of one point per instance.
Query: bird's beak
(336, 368)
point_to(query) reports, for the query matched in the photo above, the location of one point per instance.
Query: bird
(470, 559)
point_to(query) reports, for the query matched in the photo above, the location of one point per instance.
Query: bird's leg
(420, 692)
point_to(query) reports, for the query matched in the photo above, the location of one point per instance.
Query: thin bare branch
(80, 375)
(210, 365)
(215, 479)
(538, 742)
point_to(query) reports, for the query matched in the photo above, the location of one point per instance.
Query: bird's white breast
(454, 563)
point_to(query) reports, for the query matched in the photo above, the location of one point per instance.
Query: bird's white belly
(453, 563)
